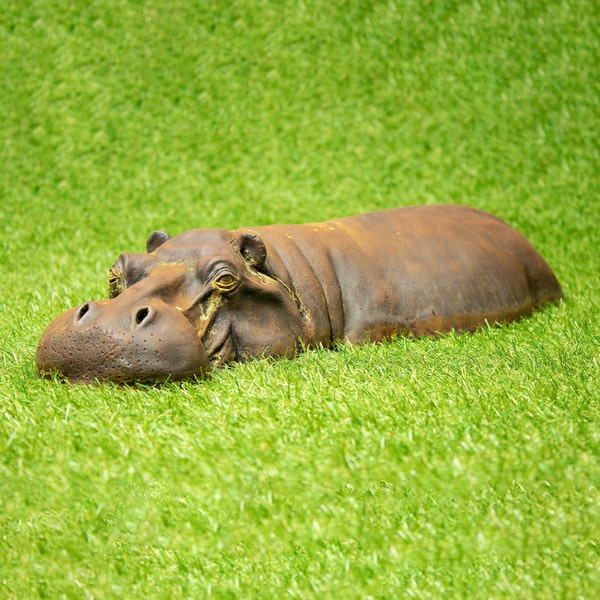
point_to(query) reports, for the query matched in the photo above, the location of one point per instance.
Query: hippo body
(208, 297)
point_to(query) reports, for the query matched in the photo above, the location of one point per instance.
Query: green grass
(462, 467)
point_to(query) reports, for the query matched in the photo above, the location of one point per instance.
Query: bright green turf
(463, 467)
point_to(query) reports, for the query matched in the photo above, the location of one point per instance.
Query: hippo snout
(90, 311)
(110, 340)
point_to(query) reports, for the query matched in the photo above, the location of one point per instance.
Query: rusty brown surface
(210, 296)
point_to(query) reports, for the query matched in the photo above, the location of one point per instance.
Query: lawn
(462, 467)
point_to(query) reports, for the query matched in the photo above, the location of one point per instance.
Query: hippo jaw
(100, 341)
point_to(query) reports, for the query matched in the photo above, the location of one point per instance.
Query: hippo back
(415, 270)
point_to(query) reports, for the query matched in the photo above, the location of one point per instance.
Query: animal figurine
(208, 297)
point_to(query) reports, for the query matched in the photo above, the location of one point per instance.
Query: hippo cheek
(148, 343)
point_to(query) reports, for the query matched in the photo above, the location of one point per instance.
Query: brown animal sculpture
(209, 296)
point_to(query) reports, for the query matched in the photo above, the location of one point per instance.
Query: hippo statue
(208, 297)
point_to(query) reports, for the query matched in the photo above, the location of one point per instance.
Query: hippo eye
(225, 282)
(116, 282)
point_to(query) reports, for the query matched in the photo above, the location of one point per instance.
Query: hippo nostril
(83, 309)
(141, 315)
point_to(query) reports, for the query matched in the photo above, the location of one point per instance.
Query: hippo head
(201, 299)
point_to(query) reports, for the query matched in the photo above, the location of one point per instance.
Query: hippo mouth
(98, 341)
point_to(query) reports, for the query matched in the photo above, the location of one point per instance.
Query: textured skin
(212, 296)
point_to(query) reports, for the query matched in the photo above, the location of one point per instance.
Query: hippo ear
(155, 240)
(252, 248)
